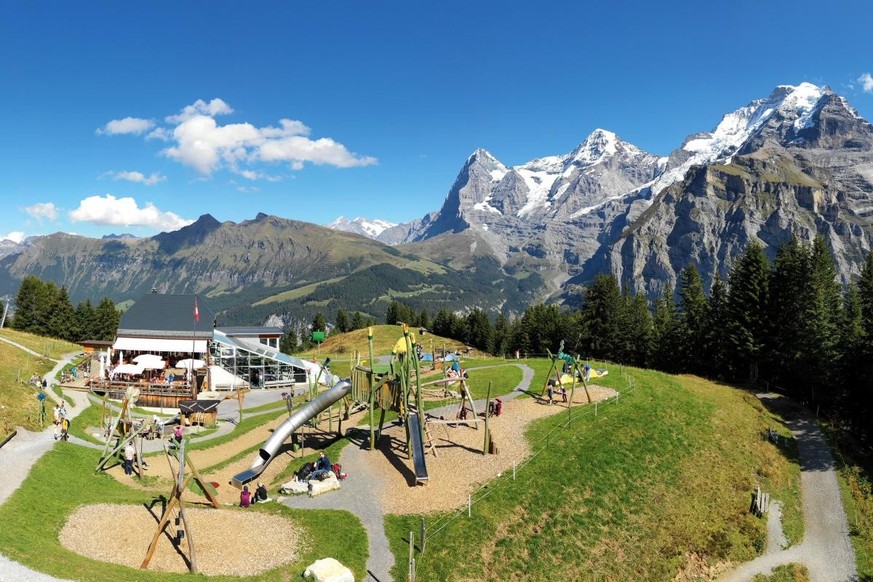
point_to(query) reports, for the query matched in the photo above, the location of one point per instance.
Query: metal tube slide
(287, 428)
(417, 446)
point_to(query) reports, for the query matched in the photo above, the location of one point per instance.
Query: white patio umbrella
(142, 358)
(188, 363)
(150, 364)
(127, 369)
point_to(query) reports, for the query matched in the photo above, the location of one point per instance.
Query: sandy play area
(459, 466)
(255, 542)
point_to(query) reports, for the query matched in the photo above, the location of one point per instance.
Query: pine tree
(715, 343)
(62, 321)
(106, 319)
(747, 309)
(85, 317)
(601, 315)
(692, 315)
(666, 332)
(638, 331)
(318, 323)
(342, 321)
(358, 321)
(478, 331)
(29, 305)
(502, 335)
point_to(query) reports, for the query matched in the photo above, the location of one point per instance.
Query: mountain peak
(363, 226)
(481, 155)
(599, 144)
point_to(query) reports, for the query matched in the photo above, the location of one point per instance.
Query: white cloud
(128, 125)
(15, 236)
(195, 139)
(42, 210)
(110, 210)
(138, 177)
(201, 107)
(866, 81)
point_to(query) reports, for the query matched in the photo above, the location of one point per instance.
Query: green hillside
(656, 484)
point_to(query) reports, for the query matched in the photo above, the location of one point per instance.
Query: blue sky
(140, 116)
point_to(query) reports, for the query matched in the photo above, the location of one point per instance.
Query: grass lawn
(856, 486)
(51, 347)
(664, 473)
(786, 573)
(18, 403)
(63, 480)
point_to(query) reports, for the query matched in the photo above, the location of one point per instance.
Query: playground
(416, 444)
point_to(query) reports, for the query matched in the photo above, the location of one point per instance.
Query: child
(245, 497)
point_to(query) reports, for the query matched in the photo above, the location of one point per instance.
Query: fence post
(423, 538)
(513, 472)
(595, 408)
(411, 558)
(469, 505)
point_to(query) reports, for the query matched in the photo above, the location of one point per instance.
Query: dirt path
(825, 550)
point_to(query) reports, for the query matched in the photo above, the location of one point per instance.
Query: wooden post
(487, 414)
(411, 557)
(372, 391)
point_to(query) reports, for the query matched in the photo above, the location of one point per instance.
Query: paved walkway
(17, 458)
(826, 550)
(360, 494)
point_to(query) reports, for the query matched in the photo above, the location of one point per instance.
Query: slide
(287, 428)
(417, 447)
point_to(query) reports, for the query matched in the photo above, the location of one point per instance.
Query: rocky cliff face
(550, 214)
(797, 163)
(804, 168)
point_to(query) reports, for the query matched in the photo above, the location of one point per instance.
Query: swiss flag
(196, 310)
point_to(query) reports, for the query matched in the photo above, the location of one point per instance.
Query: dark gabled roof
(167, 316)
(191, 406)
(250, 331)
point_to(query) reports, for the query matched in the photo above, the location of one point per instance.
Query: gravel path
(360, 495)
(17, 458)
(825, 550)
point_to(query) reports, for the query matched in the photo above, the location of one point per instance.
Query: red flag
(196, 311)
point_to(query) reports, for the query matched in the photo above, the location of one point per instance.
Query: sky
(139, 117)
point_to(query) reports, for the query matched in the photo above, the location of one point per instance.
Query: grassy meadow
(658, 479)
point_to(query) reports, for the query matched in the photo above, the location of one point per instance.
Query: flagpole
(193, 350)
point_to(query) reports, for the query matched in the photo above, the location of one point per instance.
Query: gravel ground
(825, 550)
(94, 531)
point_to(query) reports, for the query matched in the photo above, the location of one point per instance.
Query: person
(44, 384)
(456, 367)
(63, 411)
(587, 369)
(56, 420)
(261, 494)
(551, 396)
(563, 394)
(322, 466)
(65, 428)
(129, 453)
(177, 434)
(245, 497)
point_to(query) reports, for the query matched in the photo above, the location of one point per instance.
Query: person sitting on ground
(261, 494)
(245, 497)
(322, 467)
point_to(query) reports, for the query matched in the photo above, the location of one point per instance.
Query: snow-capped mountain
(363, 226)
(608, 205)
(796, 164)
